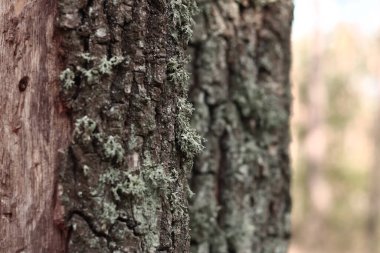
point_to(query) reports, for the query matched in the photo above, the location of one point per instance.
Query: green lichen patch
(67, 78)
(91, 75)
(183, 12)
(177, 73)
(106, 65)
(84, 129)
(189, 140)
(113, 149)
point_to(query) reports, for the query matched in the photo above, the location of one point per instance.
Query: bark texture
(123, 181)
(241, 92)
(32, 127)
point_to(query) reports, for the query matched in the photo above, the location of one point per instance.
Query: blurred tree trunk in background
(241, 92)
(373, 232)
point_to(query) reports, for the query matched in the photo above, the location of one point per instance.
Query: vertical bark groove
(241, 92)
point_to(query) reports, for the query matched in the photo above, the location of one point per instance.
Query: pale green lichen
(84, 129)
(177, 72)
(190, 141)
(91, 75)
(177, 205)
(113, 149)
(106, 65)
(109, 212)
(123, 183)
(155, 175)
(87, 57)
(67, 78)
(182, 15)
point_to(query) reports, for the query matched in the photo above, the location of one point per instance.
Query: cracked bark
(122, 184)
(112, 204)
(113, 136)
(241, 92)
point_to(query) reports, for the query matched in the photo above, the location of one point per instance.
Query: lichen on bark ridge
(124, 177)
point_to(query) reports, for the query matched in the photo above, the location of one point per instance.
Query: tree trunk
(120, 130)
(32, 127)
(241, 92)
(96, 143)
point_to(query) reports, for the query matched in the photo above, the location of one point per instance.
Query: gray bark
(99, 161)
(123, 182)
(241, 92)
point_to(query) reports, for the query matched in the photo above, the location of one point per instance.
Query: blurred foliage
(348, 60)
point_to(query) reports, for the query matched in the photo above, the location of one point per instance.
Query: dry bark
(119, 135)
(241, 92)
(33, 127)
(124, 175)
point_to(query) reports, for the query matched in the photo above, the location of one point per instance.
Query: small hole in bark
(23, 83)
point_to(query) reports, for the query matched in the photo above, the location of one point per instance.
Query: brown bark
(124, 174)
(123, 138)
(241, 92)
(32, 127)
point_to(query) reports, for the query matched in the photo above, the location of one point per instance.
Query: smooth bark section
(32, 127)
(241, 92)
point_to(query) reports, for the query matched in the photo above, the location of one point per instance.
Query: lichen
(177, 72)
(190, 141)
(183, 12)
(106, 65)
(113, 149)
(67, 78)
(84, 129)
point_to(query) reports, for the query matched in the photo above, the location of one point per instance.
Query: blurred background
(336, 126)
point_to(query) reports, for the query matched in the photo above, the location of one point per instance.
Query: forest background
(336, 126)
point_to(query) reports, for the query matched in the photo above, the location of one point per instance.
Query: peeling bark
(33, 127)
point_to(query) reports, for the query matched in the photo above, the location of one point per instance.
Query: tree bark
(241, 92)
(124, 176)
(32, 127)
(118, 136)
(96, 143)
